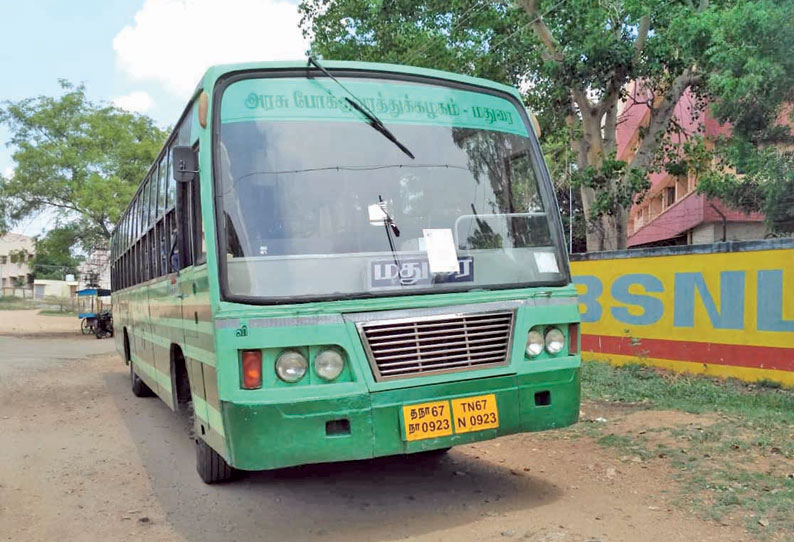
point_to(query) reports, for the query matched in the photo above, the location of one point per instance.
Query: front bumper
(270, 436)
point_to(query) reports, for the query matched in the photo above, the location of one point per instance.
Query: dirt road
(29, 323)
(81, 459)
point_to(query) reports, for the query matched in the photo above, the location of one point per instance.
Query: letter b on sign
(589, 299)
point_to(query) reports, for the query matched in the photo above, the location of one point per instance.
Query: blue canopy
(101, 292)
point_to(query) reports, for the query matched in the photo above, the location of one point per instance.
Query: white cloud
(8, 172)
(135, 102)
(173, 41)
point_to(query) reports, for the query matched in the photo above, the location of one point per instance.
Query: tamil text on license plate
(441, 418)
(427, 420)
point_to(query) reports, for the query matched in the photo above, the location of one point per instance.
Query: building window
(681, 187)
(669, 195)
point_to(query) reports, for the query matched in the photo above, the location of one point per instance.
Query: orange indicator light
(252, 369)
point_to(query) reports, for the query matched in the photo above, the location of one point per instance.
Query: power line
(413, 57)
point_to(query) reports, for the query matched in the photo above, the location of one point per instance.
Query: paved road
(82, 459)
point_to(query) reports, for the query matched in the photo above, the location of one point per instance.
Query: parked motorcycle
(103, 327)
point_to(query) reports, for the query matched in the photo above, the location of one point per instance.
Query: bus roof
(214, 72)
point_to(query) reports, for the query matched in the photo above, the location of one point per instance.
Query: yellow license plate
(427, 420)
(475, 413)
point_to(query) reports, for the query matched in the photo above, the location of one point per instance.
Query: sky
(145, 56)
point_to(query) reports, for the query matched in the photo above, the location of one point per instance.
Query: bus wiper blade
(379, 126)
(359, 106)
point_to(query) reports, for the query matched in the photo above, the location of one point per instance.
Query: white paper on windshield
(376, 214)
(441, 254)
(546, 262)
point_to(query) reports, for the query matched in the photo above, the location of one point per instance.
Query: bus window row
(144, 245)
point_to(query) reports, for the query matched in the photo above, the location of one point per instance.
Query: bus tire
(139, 387)
(210, 465)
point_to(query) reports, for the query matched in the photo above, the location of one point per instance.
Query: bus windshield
(314, 203)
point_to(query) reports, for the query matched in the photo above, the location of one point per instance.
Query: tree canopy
(80, 158)
(55, 255)
(574, 60)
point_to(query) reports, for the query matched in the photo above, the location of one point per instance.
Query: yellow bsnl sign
(728, 298)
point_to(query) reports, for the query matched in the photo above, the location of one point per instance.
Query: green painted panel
(200, 354)
(374, 420)
(401, 103)
(236, 310)
(214, 72)
(158, 381)
(310, 339)
(211, 397)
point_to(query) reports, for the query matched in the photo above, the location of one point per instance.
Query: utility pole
(570, 211)
(568, 167)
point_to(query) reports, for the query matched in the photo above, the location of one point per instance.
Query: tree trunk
(600, 140)
(605, 232)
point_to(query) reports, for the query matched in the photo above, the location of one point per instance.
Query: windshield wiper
(378, 125)
(361, 107)
(392, 225)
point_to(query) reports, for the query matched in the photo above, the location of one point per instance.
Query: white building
(63, 289)
(14, 270)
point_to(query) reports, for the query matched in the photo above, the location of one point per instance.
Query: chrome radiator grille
(453, 342)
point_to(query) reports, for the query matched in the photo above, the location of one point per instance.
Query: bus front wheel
(210, 465)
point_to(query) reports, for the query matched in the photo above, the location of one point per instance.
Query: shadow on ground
(379, 499)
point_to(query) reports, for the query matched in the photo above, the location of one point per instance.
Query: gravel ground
(83, 460)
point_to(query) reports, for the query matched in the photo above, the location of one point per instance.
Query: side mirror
(185, 164)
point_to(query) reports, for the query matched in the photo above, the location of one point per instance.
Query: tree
(55, 257)
(765, 186)
(575, 59)
(81, 158)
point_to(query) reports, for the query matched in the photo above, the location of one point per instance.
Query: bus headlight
(555, 341)
(534, 343)
(329, 364)
(291, 366)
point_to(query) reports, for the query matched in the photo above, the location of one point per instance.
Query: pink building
(672, 213)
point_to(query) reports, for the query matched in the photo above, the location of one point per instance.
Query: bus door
(164, 306)
(142, 326)
(193, 286)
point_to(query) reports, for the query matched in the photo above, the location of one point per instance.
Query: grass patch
(55, 312)
(740, 466)
(756, 407)
(10, 303)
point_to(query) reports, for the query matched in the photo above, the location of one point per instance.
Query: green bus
(347, 260)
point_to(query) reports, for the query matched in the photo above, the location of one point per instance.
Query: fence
(13, 291)
(725, 309)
